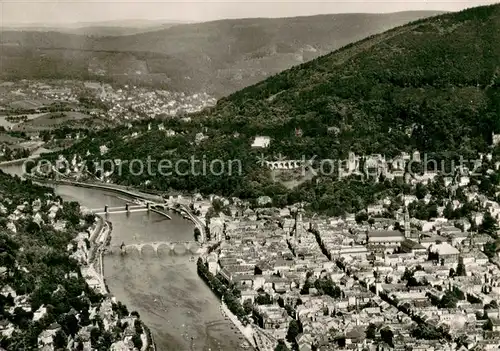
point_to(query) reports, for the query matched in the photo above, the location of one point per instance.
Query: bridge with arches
(130, 208)
(179, 247)
(287, 164)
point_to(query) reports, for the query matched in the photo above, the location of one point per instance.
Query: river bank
(18, 161)
(104, 238)
(247, 330)
(104, 186)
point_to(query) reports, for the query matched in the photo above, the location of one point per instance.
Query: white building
(261, 142)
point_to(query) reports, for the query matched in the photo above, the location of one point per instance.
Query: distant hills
(218, 57)
(97, 29)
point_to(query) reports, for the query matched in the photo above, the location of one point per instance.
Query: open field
(9, 139)
(52, 120)
(29, 104)
(30, 145)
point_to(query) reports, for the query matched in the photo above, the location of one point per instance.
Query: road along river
(181, 311)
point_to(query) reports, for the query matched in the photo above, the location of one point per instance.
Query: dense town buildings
(382, 280)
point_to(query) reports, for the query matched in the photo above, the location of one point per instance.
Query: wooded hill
(218, 57)
(432, 85)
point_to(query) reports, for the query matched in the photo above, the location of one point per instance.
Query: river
(181, 311)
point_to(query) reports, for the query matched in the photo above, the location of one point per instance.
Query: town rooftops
(385, 234)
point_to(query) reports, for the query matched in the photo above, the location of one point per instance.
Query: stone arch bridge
(188, 247)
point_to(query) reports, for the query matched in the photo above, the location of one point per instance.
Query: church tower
(299, 226)
(407, 222)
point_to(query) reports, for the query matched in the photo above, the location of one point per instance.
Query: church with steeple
(407, 223)
(299, 228)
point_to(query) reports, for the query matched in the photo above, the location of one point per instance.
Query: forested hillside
(433, 86)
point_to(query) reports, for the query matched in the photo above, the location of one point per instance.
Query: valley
(333, 180)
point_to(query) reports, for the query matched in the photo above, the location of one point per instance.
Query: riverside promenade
(246, 331)
(95, 273)
(104, 186)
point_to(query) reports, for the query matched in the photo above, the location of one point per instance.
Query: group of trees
(294, 329)
(409, 277)
(449, 299)
(326, 286)
(264, 299)
(240, 176)
(10, 154)
(489, 226)
(426, 332)
(230, 296)
(386, 334)
(459, 272)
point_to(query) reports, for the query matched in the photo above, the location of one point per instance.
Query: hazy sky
(71, 11)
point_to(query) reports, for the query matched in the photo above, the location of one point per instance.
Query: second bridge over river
(179, 247)
(130, 208)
